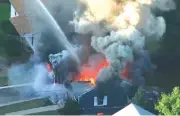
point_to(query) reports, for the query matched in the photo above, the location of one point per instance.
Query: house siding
(116, 100)
(13, 12)
(104, 110)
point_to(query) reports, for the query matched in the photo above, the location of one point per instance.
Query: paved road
(10, 94)
(7, 94)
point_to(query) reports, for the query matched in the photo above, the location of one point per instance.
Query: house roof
(79, 88)
(115, 95)
(22, 24)
(18, 6)
(114, 100)
(132, 110)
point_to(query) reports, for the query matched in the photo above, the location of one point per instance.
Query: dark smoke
(48, 44)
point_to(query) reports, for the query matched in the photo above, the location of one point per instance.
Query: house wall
(18, 5)
(104, 110)
(13, 12)
(116, 100)
(22, 24)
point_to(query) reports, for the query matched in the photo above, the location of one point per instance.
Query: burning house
(112, 58)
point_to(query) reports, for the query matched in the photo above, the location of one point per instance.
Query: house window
(104, 101)
(16, 14)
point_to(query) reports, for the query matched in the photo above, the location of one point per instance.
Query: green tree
(169, 104)
(141, 100)
(138, 98)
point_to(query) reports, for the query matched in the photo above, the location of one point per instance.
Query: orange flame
(49, 67)
(125, 72)
(89, 74)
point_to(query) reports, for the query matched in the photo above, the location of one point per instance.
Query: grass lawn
(4, 11)
(47, 113)
(35, 103)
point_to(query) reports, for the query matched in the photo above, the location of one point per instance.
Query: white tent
(132, 110)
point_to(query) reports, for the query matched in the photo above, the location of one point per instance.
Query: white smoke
(21, 73)
(106, 73)
(57, 93)
(41, 77)
(37, 74)
(129, 23)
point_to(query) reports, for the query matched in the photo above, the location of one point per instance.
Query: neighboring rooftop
(22, 24)
(18, 6)
(114, 99)
(132, 110)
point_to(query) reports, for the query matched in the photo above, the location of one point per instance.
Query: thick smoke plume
(46, 42)
(119, 29)
(37, 74)
(47, 26)
(116, 28)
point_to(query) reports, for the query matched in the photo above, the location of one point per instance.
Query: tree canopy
(146, 98)
(169, 104)
(140, 100)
